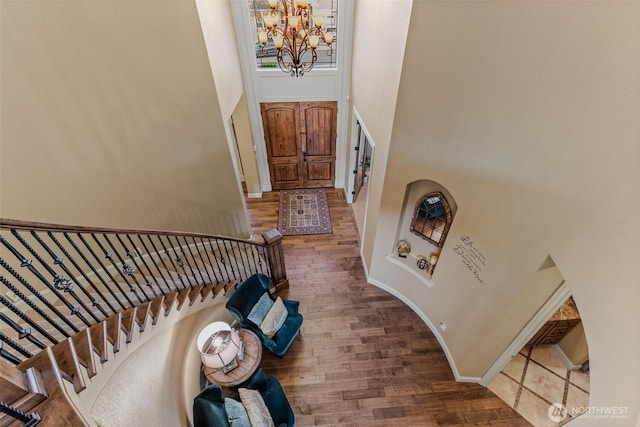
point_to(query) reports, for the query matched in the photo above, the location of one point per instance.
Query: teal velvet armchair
(245, 297)
(271, 391)
(209, 409)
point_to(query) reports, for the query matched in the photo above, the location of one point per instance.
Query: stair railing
(27, 420)
(58, 281)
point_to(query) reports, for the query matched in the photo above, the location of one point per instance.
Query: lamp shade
(218, 345)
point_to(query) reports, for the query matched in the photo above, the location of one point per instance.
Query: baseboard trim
(431, 326)
(565, 359)
(542, 315)
(254, 195)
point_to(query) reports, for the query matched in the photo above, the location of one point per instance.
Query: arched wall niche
(414, 193)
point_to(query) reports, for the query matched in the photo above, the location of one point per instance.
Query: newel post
(273, 240)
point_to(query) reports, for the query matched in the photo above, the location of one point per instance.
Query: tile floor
(537, 378)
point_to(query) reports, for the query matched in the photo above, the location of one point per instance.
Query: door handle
(304, 156)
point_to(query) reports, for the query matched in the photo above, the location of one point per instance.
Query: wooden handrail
(44, 226)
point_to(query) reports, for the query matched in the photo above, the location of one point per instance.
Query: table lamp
(218, 345)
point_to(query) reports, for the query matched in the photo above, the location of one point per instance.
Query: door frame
(551, 305)
(353, 155)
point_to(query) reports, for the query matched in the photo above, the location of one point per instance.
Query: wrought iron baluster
(104, 268)
(216, 258)
(166, 252)
(59, 261)
(183, 261)
(264, 260)
(38, 295)
(248, 269)
(205, 262)
(199, 260)
(5, 354)
(209, 265)
(33, 306)
(94, 270)
(136, 268)
(24, 262)
(22, 332)
(193, 258)
(94, 301)
(257, 262)
(28, 420)
(226, 259)
(237, 274)
(146, 266)
(164, 266)
(125, 269)
(11, 343)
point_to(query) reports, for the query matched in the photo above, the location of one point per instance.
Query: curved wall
(154, 378)
(527, 113)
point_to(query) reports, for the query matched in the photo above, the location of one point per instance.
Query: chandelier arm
(287, 68)
(291, 47)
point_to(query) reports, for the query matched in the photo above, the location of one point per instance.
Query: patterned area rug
(304, 211)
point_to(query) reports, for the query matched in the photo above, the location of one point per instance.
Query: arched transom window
(432, 218)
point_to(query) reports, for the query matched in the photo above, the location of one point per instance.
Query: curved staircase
(70, 295)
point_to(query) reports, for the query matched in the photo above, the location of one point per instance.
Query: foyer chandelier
(295, 33)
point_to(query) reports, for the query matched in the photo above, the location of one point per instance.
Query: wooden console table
(252, 349)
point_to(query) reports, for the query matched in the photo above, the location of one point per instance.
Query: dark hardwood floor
(363, 357)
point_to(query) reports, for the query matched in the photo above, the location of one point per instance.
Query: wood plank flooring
(363, 358)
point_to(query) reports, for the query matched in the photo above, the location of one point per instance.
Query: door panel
(319, 124)
(287, 173)
(318, 172)
(301, 143)
(283, 143)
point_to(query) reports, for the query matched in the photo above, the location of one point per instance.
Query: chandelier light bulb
(278, 41)
(318, 21)
(328, 38)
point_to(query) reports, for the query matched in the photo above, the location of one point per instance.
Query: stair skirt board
(97, 404)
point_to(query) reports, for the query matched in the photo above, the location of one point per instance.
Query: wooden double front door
(301, 143)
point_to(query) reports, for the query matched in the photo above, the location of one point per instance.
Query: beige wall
(153, 379)
(110, 116)
(376, 67)
(246, 148)
(574, 345)
(527, 113)
(217, 26)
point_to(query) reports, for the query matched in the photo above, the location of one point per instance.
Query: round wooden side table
(252, 355)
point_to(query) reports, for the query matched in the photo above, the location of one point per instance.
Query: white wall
(527, 113)
(376, 68)
(110, 116)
